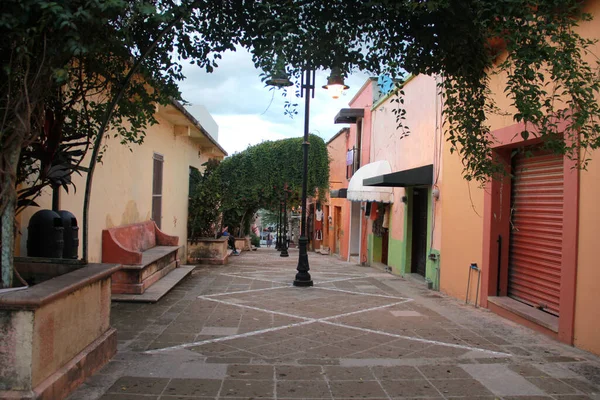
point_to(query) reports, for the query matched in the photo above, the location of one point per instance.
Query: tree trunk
(7, 219)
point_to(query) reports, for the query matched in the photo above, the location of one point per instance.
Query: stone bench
(145, 253)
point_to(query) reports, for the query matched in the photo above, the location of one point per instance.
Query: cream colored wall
(122, 187)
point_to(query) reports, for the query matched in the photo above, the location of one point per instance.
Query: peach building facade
(533, 235)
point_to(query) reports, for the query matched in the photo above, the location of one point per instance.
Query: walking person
(269, 239)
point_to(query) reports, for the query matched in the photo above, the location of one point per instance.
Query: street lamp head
(279, 79)
(335, 83)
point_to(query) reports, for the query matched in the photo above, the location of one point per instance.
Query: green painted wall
(408, 233)
(400, 251)
(373, 248)
(396, 256)
(432, 269)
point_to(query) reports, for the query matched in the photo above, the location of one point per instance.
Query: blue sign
(385, 83)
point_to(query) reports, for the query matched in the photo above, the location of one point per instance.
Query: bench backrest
(135, 237)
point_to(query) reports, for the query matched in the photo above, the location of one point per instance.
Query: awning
(358, 192)
(410, 177)
(338, 193)
(349, 115)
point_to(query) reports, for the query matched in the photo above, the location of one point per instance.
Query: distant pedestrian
(269, 239)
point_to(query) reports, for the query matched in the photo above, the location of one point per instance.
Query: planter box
(207, 251)
(56, 334)
(242, 244)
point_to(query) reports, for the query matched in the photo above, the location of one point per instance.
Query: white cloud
(248, 112)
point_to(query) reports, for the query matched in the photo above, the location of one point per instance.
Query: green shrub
(254, 240)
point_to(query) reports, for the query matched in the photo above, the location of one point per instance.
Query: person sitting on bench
(230, 239)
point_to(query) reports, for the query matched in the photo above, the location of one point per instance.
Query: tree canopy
(72, 69)
(256, 177)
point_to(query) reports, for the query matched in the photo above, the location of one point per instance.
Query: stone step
(159, 289)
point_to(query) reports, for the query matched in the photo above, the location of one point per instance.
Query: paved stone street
(242, 331)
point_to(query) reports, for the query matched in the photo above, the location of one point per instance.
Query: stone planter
(57, 333)
(207, 251)
(242, 244)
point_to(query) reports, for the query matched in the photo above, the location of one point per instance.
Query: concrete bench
(145, 253)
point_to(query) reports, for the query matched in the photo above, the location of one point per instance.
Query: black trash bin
(70, 234)
(45, 235)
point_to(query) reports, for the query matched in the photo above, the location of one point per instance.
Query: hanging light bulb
(335, 83)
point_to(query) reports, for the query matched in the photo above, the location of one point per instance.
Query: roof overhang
(359, 192)
(410, 177)
(349, 115)
(184, 124)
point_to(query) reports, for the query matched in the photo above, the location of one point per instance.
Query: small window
(157, 188)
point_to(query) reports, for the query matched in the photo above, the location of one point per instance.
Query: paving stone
(583, 386)
(502, 381)
(527, 370)
(116, 396)
(354, 390)
(444, 372)
(337, 373)
(247, 388)
(460, 387)
(552, 385)
(193, 387)
(289, 389)
(299, 373)
(404, 348)
(262, 372)
(396, 373)
(134, 385)
(406, 313)
(410, 388)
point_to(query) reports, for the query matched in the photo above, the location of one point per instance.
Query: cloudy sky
(248, 113)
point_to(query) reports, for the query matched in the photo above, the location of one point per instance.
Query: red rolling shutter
(536, 231)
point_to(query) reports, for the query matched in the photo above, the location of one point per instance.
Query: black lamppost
(335, 83)
(278, 241)
(284, 246)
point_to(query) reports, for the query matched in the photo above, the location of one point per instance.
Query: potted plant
(204, 214)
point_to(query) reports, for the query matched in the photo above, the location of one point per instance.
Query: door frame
(496, 224)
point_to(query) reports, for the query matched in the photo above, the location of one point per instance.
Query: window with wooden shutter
(157, 183)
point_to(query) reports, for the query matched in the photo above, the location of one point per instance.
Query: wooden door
(337, 229)
(385, 237)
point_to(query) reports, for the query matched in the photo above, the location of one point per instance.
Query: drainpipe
(436, 167)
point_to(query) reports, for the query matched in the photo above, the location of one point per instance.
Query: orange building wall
(337, 148)
(587, 296)
(463, 208)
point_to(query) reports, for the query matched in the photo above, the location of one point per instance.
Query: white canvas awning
(358, 192)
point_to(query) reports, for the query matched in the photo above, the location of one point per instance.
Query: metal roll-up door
(536, 231)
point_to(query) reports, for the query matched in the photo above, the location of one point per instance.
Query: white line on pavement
(363, 293)
(458, 346)
(225, 338)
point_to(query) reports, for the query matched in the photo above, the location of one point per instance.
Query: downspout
(436, 168)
